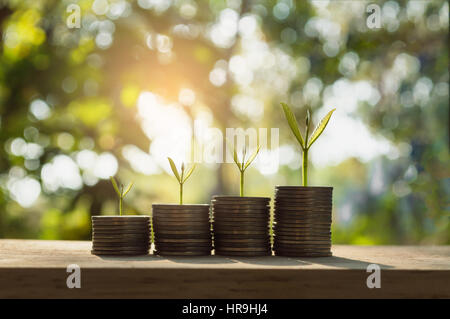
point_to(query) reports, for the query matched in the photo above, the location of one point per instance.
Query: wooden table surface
(38, 269)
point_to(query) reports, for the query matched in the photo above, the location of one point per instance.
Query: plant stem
(242, 184)
(305, 167)
(120, 205)
(181, 193)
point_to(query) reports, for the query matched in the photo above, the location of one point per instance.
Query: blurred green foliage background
(80, 104)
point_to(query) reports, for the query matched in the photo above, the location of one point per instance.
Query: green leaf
(235, 156)
(189, 173)
(250, 160)
(320, 128)
(174, 169)
(290, 117)
(114, 184)
(127, 189)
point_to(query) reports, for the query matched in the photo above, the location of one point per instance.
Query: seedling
(120, 192)
(182, 178)
(306, 143)
(242, 165)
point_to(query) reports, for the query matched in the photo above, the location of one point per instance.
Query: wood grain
(37, 269)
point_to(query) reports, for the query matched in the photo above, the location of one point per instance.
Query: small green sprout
(182, 178)
(242, 166)
(120, 192)
(306, 143)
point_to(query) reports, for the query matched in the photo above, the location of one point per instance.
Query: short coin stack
(182, 230)
(241, 226)
(120, 235)
(302, 221)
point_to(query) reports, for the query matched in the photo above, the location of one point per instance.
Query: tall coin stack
(120, 235)
(182, 230)
(302, 221)
(241, 226)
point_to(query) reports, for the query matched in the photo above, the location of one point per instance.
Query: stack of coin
(241, 226)
(182, 230)
(120, 235)
(302, 221)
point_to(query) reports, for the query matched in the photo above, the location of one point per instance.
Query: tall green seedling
(306, 143)
(181, 176)
(243, 164)
(121, 192)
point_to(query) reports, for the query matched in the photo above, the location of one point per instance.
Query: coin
(293, 246)
(240, 203)
(240, 198)
(303, 192)
(118, 219)
(237, 213)
(121, 234)
(181, 225)
(301, 236)
(162, 247)
(302, 208)
(303, 243)
(180, 232)
(256, 246)
(119, 224)
(301, 189)
(217, 228)
(258, 211)
(183, 253)
(122, 227)
(180, 214)
(236, 233)
(119, 252)
(184, 219)
(121, 218)
(290, 222)
(241, 236)
(242, 254)
(120, 240)
(202, 234)
(304, 221)
(244, 240)
(180, 208)
(200, 247)
(203, 249)
(298, 212)
(302, 254)
(183, 240)
(298, 228)
(312, 252)
(120, 248)
(241, 222)
(241, 249)
(224, 221)
(306, 199)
